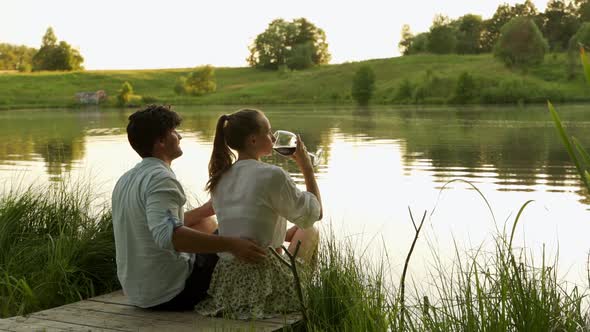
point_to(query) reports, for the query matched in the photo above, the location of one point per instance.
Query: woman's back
(243, 203)
(254, 200)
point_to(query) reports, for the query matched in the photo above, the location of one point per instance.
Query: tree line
(52, 55)
(470, 34)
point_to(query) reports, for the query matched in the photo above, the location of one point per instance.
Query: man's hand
(247, 251)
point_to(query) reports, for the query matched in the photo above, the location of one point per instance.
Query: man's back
(146, 199)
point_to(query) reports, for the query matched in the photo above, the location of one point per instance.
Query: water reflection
(511, 147)
(376, 163)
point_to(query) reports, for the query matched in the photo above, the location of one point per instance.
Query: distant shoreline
(410, 80)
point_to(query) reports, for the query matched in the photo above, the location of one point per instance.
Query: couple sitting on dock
(168, 259)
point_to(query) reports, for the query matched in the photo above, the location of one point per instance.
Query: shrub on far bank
(197, 83)
(521, 44)
(126, 97)
(405, 91)
(465, 89)
(363, 85)
(125, 94)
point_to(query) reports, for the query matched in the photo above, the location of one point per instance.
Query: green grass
(53, 250)
(499, 290)
(329, 84)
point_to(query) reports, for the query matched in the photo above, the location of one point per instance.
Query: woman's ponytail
(231, 132)
(221, 157)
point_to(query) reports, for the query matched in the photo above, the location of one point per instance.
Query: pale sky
(132, 34)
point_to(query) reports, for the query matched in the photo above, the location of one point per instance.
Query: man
(165, 257)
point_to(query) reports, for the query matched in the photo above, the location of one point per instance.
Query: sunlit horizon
(182, 34)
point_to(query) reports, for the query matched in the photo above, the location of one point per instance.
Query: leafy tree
(125, 94)
(363, 85)
(16, 57)
(504, 13)
(559, 23)
(580, 38)
(406, 41)
(469, 30)
(442, 39)
(56, 56)
(583, 10)
(199, 82)
(521, 43)
(419, 43)
(301, 56)
(298, 43)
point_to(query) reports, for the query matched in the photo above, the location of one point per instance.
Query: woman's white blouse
(254, 200)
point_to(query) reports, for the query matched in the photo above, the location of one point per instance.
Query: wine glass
(286, 143)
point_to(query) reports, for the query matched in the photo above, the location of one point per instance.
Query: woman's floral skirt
(241, 290)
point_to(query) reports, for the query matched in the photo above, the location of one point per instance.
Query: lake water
(376, 164)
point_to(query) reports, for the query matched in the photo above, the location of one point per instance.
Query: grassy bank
(52, 251)
(424, 79)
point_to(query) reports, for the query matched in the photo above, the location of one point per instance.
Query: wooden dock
(111, 312)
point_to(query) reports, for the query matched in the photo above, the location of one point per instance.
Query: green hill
(430, 79)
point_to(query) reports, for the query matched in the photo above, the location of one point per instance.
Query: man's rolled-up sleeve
(164, 208)
(299, 207)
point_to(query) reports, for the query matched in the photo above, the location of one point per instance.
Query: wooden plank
(147, 322)
(119, 298)
(188, 316)
(111, 312)
(115, 297)
(20, 323)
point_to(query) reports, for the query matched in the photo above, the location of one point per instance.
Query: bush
(363, 85)
(125, 94)
(521, 43)
(180, 85)
(404, 90)
(197, 83)
(419, 94)
(509, 91)
(25, 68)
(465, 89)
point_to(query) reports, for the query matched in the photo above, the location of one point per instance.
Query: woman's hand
(301, 156)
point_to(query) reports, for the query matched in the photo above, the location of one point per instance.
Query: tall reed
(53, 248)
(499, 290)
(579, 155)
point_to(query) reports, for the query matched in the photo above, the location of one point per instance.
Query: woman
(254, 200)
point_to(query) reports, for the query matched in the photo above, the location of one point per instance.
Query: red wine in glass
(286, 144)
(285, 151)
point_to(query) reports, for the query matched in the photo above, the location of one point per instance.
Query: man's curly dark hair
(148, 125)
